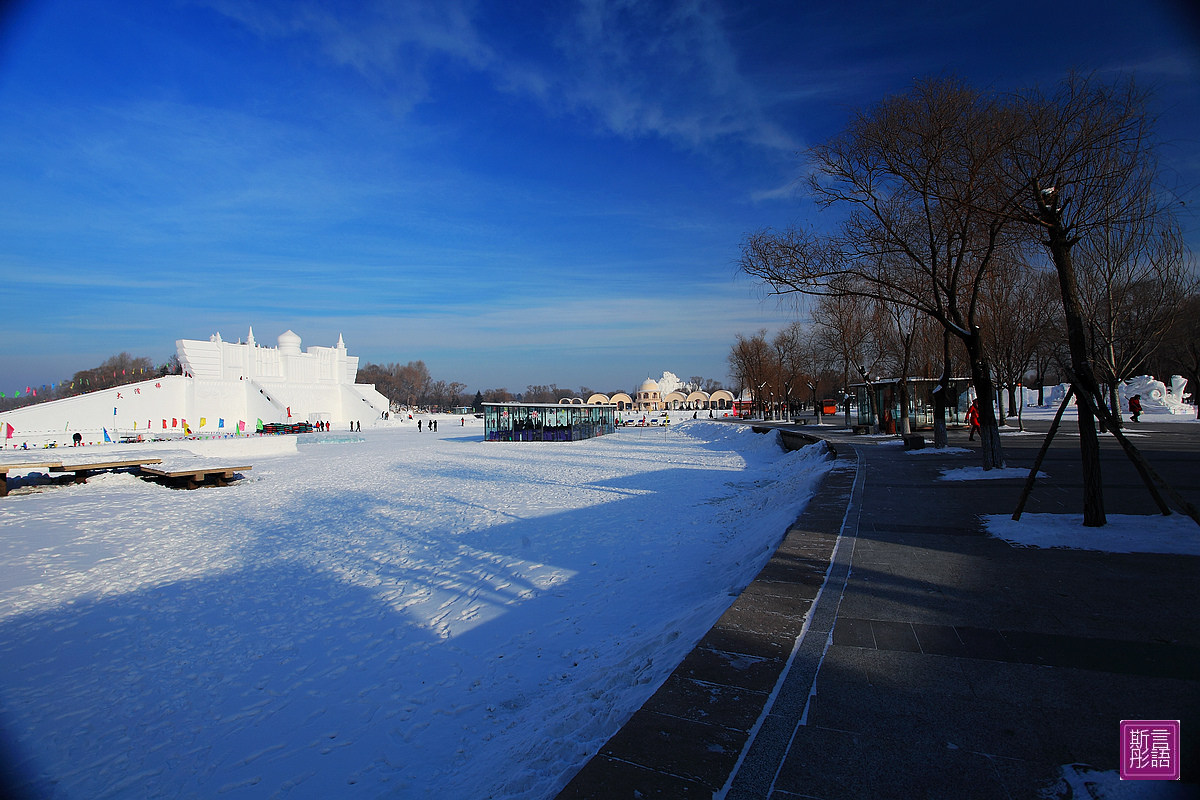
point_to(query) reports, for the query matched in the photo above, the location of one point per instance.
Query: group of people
(432, 425)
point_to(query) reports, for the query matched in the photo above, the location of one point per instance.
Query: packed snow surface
(410, 615)
(1124, 533)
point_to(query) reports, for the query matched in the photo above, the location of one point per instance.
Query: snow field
(410, 615)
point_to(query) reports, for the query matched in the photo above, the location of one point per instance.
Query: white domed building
(649, 396)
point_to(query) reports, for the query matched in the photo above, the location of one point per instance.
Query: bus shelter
(546, 422)
(879, 403)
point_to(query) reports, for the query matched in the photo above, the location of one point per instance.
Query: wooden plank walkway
(85, 469)
(22, 466)
(195, 476)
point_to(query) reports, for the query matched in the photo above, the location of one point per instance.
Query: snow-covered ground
(1124, 533)
(416, 615)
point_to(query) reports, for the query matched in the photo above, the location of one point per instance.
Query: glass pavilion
(546, 422)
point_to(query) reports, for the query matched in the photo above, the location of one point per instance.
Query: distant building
(649, 397)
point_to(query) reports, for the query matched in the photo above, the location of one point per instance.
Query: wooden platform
(194, 477)
(85, 470)
(22, 466)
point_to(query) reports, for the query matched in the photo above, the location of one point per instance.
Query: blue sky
(515, 193)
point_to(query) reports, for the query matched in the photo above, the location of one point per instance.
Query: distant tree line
(118, 370)
(411, 385)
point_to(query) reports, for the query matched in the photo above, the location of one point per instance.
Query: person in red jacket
(973, 420)
(1135, 407)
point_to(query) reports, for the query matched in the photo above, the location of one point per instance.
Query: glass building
(546, 422)
(886, 401)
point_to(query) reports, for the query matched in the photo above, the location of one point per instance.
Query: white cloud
(632, 68)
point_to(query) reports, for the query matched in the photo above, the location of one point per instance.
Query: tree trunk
(981, 376)
(1001, 417)
(941, 397)
(905, 425)
(1089, 443)
(1114, 404)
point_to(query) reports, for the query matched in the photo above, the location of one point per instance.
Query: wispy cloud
(389, 43)
(633, 69)
(641, 69)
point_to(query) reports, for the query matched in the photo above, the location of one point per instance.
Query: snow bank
(1124, 533)
(416, 614)
(981, 474)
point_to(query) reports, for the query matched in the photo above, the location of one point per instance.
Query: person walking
(1135, 407)
(418, 426)
(973, 420)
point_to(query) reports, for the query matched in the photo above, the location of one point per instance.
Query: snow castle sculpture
(225, 388)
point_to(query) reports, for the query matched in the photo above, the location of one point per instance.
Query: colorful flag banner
(202, 421)
(220, 422)
(174, 422)
(164, 424)
(106, 435)
(258, 427)
(289, 410)
(9, 432)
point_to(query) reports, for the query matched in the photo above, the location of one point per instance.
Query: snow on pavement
(410, 615)
(1124, 533)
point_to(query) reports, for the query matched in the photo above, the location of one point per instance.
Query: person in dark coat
(1135, 407)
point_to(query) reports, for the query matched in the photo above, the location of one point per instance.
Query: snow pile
(1124, 533)
(933, 451)
(981, 474)
(1082, 781)
(416, 614)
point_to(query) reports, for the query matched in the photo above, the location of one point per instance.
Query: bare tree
(845, 327)
(915, 177)
(1132, 278)
(899, 326)
(1083, 162)
(752, 364)
(791, 358)
(541, 393)
(1181, 352)
(1016, 312)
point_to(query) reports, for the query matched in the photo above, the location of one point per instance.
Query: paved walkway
(891, 649)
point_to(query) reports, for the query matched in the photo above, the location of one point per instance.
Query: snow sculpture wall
(1155, 395)
(222, 381)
